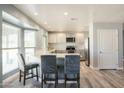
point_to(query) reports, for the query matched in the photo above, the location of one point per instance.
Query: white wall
(91, 43)
(123, 40)
(94, 48)
(0, 46)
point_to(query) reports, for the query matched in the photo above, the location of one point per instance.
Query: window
(29, 38)
(10, 36)
(29, 42)
(10, 47)
(9, 60)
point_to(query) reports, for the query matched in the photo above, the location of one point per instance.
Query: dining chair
(26, 69)
(49, 69)
(72, 68)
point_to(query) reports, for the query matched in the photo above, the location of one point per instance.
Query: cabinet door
(61, 38)
(52, 38)
(79, 38)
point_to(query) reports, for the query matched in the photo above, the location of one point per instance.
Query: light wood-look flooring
(89, 78)
(101, 78)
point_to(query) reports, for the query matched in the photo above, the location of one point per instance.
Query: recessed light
(49, 27)
(35, 13)
(65, 13)
(45, 23)
(74, 19)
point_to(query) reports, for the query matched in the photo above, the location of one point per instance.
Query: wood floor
(89, 78)
(101, 78)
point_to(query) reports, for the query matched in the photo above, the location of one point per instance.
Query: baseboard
(120, 68)
(10, 73)
(95, 68)
(91, 66)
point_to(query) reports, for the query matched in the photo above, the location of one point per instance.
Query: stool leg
(42, 80)
(65, 80)
(45, 78)
(37, 73)
(32, 72)
(55, 80)
(78, 80)
(24, 78)
(19, 75)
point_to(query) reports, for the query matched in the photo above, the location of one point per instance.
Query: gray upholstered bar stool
(72, 68)
(49, 68)
(25, 68)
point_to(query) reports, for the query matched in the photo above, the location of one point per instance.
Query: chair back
(48, 64)
(21, 61)
(72, 64)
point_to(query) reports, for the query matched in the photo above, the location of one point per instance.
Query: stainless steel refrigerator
(87, 52)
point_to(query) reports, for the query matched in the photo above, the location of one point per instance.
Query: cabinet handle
(100, 52)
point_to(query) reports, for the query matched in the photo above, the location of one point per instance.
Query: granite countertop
(51, 50)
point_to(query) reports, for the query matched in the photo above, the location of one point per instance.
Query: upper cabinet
(61, 37)
(52, 38)
(57, 38)
(80, 38)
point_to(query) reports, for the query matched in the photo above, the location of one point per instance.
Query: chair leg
(24, 78)
(32, 72)
(19, 75)
(45, 75)
(78, 76)
(56, 80)
(65, 80)
(42, 80)
(79, 83)
(37, 73)
(55, 84)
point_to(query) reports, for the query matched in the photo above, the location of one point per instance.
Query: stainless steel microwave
(70, 39)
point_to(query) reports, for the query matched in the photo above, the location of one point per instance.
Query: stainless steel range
(70, 49)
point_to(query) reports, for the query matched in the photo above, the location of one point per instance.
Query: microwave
(70, 39)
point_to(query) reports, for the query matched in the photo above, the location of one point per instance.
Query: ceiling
(51, 16)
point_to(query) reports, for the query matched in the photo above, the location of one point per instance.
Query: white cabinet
(57, 38)
(80, 41)
(52, 38)
(61, 37)
(61, 46)
(79, 38)
(57, 41)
